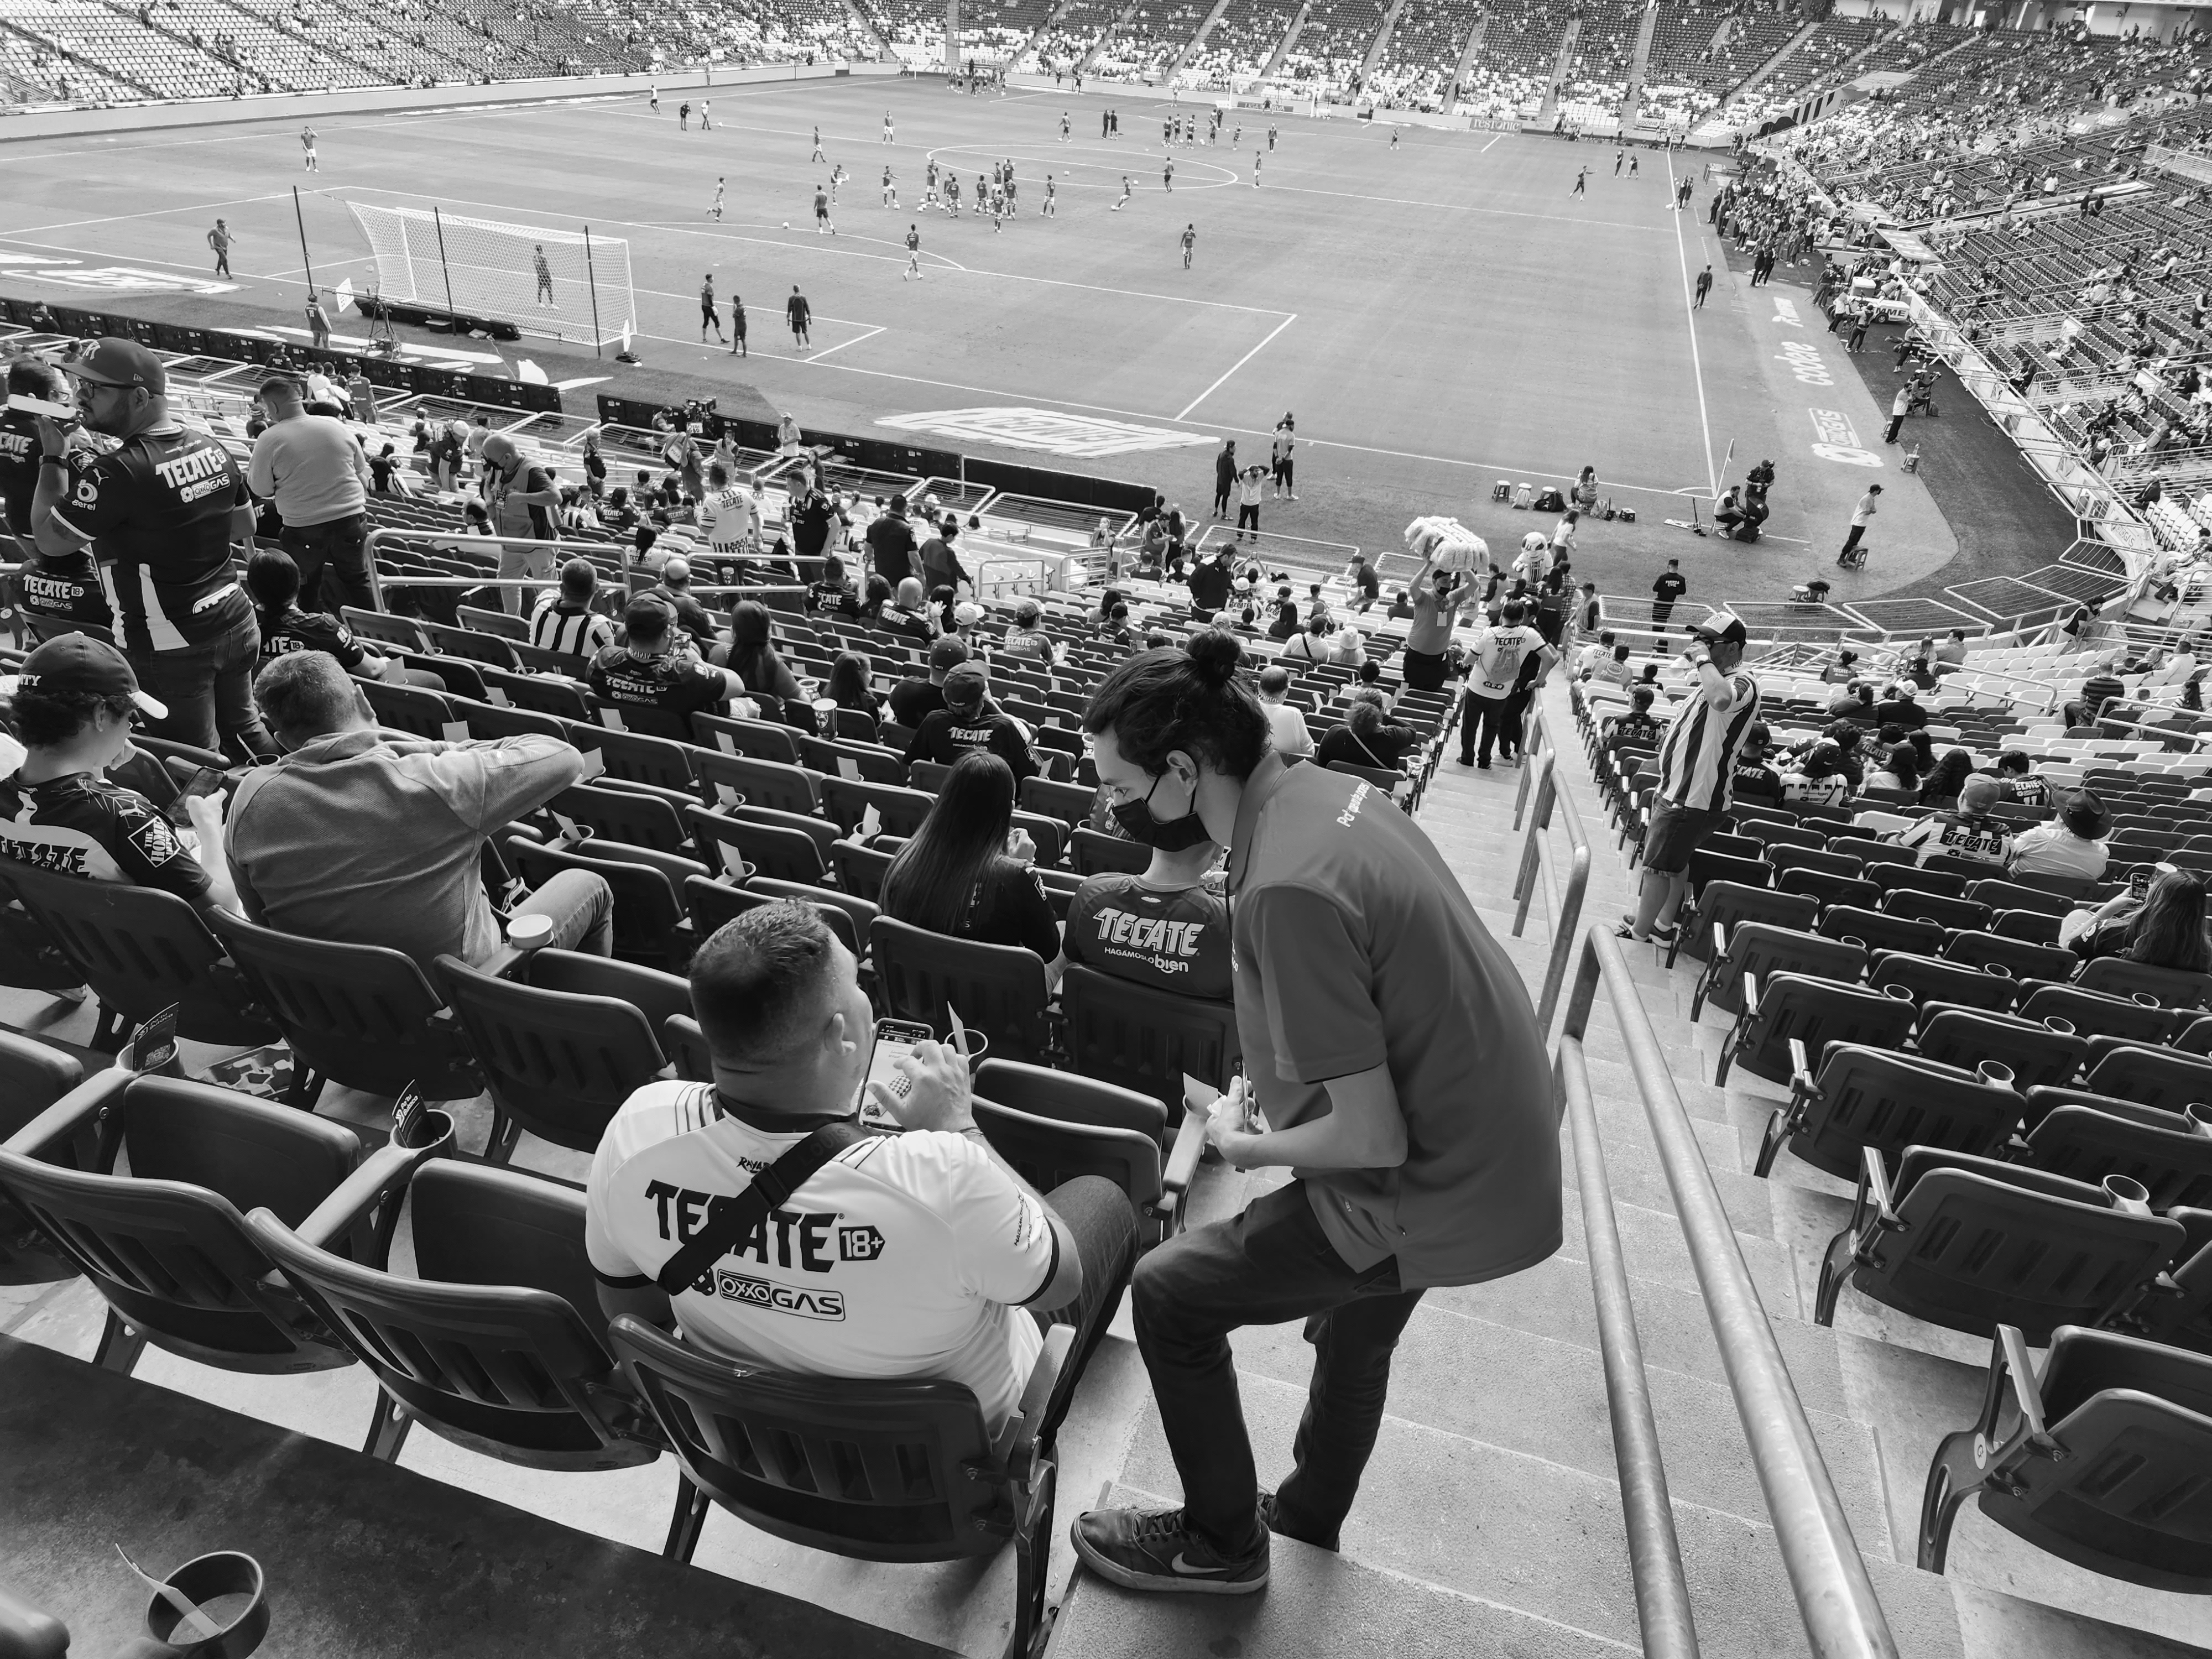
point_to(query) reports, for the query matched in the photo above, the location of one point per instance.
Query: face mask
(1171, 835)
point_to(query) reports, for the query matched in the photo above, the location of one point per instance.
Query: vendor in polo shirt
(1396, 1067)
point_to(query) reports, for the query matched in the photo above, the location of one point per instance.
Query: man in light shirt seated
(1286, 722)
(921, 1254)
(1613, 671)
(2071, 844)
(1968, 833)
(1597, 651)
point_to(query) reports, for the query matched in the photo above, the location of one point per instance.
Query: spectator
(971, 720)
(164, 506)
(1844, 670)
(2023, 784)
(1819, 779)
(520, 500)
(1435, 597)
(1638, 729)
(834, 595)
(1613, 670)
(369, 837)
(1210, 582)
(1167, 927)
(653, 668)
(1941, 786)
(940, 560)
(1117, 631)
(892, 543)
(970, 1258)
(674, 591)
(908, 615)
(1312, 644)
(748, 655)
(1967, 832)
(1847, 736)
(967, 871)
(849, 686)
(1286, 723)
(2072, 844)
(1856, 705)
(2102, 687)
(815, 520)
(1368, 737)
(1025, 637)
(1493, 682)
(1756, 781)
(386, 477)
(915, 699)
(1598, 651)
(74, 701)
(1435, 1162)
(875, 598)
(1899, 709)
(2162, 925)
(1370, 676)
(1697, 767)
(564, 620)
(1951, 654)
(1899, 770)
(1284, 623)
(274, 583)
(314, 470)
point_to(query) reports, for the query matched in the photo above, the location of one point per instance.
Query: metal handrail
(1566, 901)
(1663, 1612)
(1836, 1598)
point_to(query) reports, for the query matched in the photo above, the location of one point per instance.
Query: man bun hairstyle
(1193, 699)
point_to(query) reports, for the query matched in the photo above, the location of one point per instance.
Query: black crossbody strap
(730, 1219)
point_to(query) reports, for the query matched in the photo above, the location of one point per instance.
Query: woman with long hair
(1899, 770)
(848, 684)
(751, 657)
(1940, 788)
(2162, 927)
(1368, 736)
(878, 595)
(1397, 1066)
(957, 876)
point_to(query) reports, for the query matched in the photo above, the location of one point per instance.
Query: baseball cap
(78, 662)
(1723, 628)
(947, 653)
(967, 613)
(111, 361)
(965, 685)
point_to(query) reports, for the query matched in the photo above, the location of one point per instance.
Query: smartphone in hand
(205, 782)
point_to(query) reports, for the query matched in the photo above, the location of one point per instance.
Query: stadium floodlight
(561, 284)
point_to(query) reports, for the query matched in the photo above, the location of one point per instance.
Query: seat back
(635, 756)
(623, 815)
(2023, 960)
(1067, 1097)
(1922, 906)
(1046, 1151)
(1070, 802)
(1889, 1101)
(1756, 949)
(410, 708)
(999, 989)
(2014, 896)
(2153, 1077)
(860, 869)
(1817, 1013)
(2127, 1496)
(358, 1015)
(1104, 855)
(767, 783)
(1930, 979)
(558, 1064)
(1145, 1040)
(1985, 1243)
(490, 1345)
(1891, 878)
(760, 739)
(899, 810)
(1727, 903)
(2038, 1056)
(2173, 1161)
(2036, 926)
(167, 1245)
(1880, 931)
(1829, 888)
(2171, 986)
(647, 908)
(32, 1076)
(141, 950)
(849, 918)
(786, 854)
(2095, 1011)
(882, 1471)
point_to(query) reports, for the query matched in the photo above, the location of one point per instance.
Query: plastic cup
(228, 1586)
(530, 932)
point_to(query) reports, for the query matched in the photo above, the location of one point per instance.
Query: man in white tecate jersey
(729, 516)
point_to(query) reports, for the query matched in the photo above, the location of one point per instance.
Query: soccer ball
(787, 224)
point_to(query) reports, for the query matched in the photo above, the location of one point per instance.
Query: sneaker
(1270, 1519)
(1152, 1549)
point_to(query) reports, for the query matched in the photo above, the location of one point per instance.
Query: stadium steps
(1205, 27)
(1640, 66)
(1562, 66)
(1090, 53)
(1382, 41)
(274, 21)
(1290, 38)
(67, 53)
(866, 26)
(1766, 72)
(1468, 54)
(182, 43)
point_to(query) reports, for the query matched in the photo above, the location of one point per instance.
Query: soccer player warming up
(912, 254)
(1124, 202)
(822, 225)
(1189, 241)
(715, 211)
(1051, 210)
(890, 190)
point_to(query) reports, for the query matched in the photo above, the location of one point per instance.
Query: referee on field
(1697, 761)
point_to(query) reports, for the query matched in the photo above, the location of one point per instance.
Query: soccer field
(1439, 317)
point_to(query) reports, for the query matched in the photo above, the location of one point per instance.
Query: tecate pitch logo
(1083, 436)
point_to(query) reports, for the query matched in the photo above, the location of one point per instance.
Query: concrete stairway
(1090, 53)
(1381, 40)
(1197, 39)
(1562, 65)
(1290, 38)
(1766, 72)
(1639, 66)
(1468, 54)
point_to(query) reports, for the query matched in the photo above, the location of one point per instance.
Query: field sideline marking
(154, 213)
(1234, 367)
(1456, 206)
(1689, 319)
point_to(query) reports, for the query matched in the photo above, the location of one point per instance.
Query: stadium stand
(1603, 59)
(1242, 41)
(1513, 72)
(1142, 45)
(1423, 51)
(1331, 51)
(1073, 32)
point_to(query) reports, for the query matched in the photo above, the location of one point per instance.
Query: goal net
(561, 285)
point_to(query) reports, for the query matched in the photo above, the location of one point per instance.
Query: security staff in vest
(1395, 1064)
(167, 504)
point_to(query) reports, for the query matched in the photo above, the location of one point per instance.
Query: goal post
(558, 284)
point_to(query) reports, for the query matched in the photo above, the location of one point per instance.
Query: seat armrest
(74, 1111)
(1018, 1442)
(383, 1172)
(1182, 1157)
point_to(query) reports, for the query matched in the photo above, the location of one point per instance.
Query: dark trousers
(333, 561)
(1850, 542)
(1516, 715)
(1221, 501)
(1485, 716)
(1270, 1265)
(208, 689)
(1104, 1229)
(1424, 671)
(1896, 425)
(1248, 514)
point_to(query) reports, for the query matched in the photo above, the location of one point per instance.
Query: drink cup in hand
(1019, 846)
